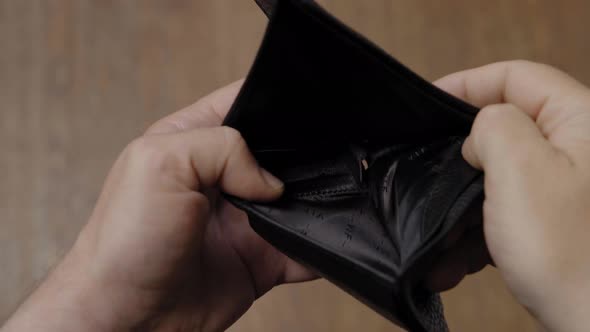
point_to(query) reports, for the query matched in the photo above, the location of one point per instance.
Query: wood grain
(80, 78)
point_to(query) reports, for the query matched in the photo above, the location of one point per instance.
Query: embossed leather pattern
(371, 157)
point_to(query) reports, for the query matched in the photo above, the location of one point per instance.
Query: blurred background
(79, 79)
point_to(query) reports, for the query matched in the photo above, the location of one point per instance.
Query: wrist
(61, 303)
(69, 299)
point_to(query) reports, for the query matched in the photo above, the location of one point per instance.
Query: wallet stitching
(326, 192)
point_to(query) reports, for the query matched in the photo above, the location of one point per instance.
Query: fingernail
(272, 180)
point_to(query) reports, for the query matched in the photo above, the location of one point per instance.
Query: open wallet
(370, 154)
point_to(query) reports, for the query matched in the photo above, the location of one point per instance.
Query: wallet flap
(317, 81)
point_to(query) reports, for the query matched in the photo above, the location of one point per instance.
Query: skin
(531, 139)
(163, 251)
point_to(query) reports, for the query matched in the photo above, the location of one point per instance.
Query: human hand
(532, 141)
(163, 250)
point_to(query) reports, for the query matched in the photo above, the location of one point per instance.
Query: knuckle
(154, 128)
(491, 123)
(232, 138)
(147, 151)
(143, 147)
(499, 114)
(528, 66)
(205, 106)
(490, 119)
(522, 63)
(536, 70)
(163, 126)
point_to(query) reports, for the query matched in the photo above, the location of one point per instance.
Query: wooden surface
(80, 78)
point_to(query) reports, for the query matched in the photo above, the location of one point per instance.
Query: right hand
(532, 141)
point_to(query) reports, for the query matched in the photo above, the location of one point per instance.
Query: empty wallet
(370, 154)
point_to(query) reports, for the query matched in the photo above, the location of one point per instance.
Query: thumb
(505, 139)
(242, 176)
(206, 158)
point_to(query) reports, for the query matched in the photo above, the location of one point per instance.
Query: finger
(469, 255)
(545, 93)
(506, 82)
(508, 138)
(207, 112)
(295, 272)
(205, 158)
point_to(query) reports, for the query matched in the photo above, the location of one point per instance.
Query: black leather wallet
(370, 154)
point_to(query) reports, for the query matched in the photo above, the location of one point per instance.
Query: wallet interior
(370, 154)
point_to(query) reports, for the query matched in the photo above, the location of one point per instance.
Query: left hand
(163, 250)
